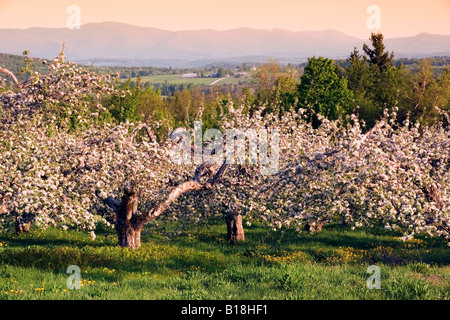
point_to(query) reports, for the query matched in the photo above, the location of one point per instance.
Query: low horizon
(397, 18)
(232, 29)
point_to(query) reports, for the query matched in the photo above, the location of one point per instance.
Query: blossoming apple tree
(36, 118)
(60, 165)
(395, 176)
(57, 176)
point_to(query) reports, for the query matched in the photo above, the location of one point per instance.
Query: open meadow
(178, 80)
(199, 264)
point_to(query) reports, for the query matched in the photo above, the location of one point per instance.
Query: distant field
(177, 80)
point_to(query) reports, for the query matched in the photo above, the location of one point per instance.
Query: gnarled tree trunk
(128, 236)
(23, 223)
(235, 229)
(129, 223)
(316, 227)
(128, 230)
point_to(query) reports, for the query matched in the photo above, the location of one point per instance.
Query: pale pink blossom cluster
(395, 176)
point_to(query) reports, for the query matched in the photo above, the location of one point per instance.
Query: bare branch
(321, 156)
(12, 76)
(203, 170)
(110, 202)
(183, 188)
(147, 130)
(219, 173)
(177, 192)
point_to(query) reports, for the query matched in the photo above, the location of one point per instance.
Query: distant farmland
(177, 80)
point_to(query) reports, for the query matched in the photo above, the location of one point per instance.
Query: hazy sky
(398, 17)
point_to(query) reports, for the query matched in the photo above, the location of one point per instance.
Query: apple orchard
(121, 175)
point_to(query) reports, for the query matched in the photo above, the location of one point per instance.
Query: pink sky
(398, 17)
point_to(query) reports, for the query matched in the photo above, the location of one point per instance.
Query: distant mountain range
(112, 43)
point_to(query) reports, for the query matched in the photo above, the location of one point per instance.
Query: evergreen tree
(377, 56)
(375, 81)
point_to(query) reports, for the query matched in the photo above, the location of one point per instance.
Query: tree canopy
(322, 90)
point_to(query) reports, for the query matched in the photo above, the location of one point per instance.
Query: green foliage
(376, 82)
(322, 90)
(275, 88)
(265, 77)
(284, 97)
(377, 56)
(16, 63)
(124, 107)
(427, 95)
(415, 86)
(249, 97)
(221, 72)
(183, 108)
(358, 74)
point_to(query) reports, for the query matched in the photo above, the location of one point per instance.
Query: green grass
(177, 80)
(331, 264)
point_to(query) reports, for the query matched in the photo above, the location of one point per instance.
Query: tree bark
(129, 223)
(235, 229)
(128, 236)
(23, 224)
(128, 233)
(433, 193)
(9, 73)
(316, 227)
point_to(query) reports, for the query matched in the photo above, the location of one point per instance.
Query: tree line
(367, 83)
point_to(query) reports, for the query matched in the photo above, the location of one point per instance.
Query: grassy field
(201, 265)
(177, 80)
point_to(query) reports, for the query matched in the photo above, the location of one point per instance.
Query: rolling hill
(112, 43)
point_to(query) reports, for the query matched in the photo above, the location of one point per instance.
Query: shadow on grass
(53, 238)
(375, 244)
(206, 250)
(332, 236)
